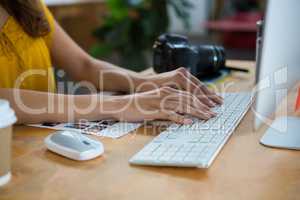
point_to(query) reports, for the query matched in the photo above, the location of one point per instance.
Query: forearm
(37, 107)
(108, 77)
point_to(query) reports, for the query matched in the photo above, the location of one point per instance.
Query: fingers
(188, 82)
(184, 103)
(213, 96)
(185, 98)
(188, 85)
(188, 109)
(173, 116)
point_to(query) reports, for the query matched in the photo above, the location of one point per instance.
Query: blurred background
(123, 31)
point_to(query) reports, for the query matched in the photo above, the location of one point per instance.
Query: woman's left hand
(180, 79)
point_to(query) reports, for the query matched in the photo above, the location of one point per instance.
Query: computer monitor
(279, 67)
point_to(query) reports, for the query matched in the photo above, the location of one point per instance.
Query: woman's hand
(181, 79)
(165, 103)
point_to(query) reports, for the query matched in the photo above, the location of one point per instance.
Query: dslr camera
(172, 51)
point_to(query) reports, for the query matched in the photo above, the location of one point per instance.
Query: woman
(31, 42)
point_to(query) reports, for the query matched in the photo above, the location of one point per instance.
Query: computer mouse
(74, 145)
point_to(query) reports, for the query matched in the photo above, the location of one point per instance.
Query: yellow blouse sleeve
(49, 38)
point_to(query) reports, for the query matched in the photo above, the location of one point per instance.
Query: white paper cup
(7, 119)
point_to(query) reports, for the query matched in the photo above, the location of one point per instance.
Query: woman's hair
(29, 14)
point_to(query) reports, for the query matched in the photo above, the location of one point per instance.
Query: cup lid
(7, 114)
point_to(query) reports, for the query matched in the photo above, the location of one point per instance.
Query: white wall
(199, 14)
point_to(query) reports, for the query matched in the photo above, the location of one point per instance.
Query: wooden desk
(243, 170)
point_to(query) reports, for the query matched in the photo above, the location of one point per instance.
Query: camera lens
(220, 57)
(211, 59)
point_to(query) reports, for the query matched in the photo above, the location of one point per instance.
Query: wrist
(114, 106)
(97, 107)
(138, 82)
(145, 83)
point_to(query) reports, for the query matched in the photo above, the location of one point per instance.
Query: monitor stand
(283, 133)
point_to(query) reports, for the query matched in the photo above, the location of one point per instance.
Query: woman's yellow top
(25, 61)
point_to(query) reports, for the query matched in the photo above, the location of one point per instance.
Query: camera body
(172, 51)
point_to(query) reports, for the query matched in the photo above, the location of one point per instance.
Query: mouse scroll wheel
(86, 142)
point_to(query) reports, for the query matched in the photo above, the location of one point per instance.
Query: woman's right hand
(165, 103)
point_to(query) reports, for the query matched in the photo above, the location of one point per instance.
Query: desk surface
(243, 170)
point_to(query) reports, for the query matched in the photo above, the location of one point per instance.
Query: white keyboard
(198, 144)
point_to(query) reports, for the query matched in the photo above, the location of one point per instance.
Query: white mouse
(74, 145)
